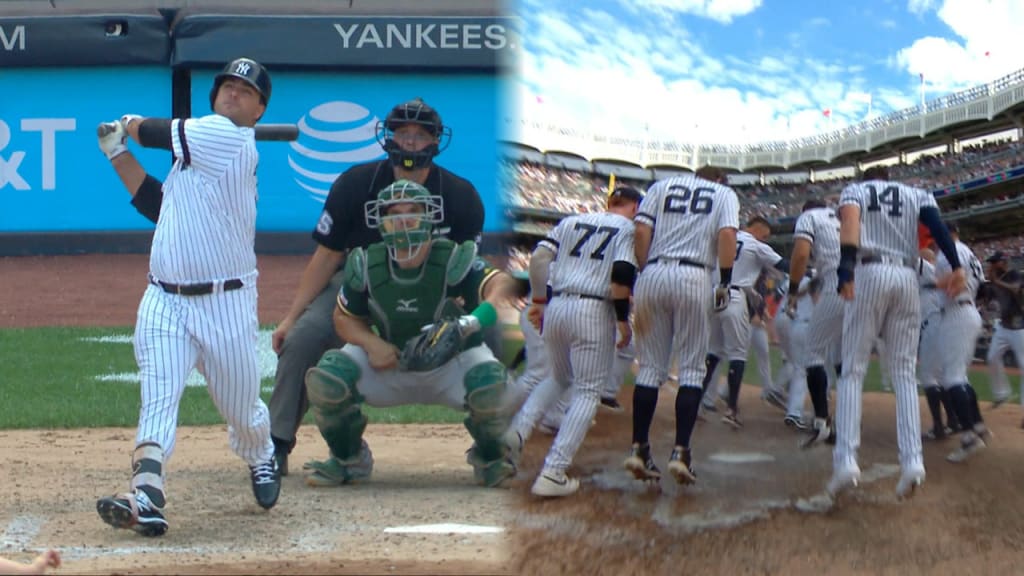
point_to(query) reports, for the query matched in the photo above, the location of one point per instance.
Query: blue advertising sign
(337, 113)
(53, 176)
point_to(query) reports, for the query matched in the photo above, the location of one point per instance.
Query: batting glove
(721, 297)
(112, 137)
(129, 118)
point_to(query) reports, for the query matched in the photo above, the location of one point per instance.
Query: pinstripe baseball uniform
(820, 227)
(579, 327)
(960, 317)
(792, 334)
(886, 304)
(205, 236)
(674, 304)
(929, 353)
(730, 329)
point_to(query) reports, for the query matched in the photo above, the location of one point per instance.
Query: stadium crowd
(568, 191)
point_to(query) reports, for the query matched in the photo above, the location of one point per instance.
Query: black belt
(679, 261)
(196, 289)
(585, 296)
(894, 260)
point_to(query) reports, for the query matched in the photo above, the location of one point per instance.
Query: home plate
(444, 529)
(741, 457)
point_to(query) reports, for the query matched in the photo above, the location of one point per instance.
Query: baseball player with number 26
(878, 241)
(199, 310)
(685, 226)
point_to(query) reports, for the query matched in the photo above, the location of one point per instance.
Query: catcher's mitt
(434, 347)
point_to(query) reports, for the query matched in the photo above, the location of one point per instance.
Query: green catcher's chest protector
(401, 302)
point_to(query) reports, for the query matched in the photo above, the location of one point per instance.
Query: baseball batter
(960, 317)
(392, 289)
(594, 271)
(816, 241)
(730, 330)
(878, 236)
(686, 226)
(199, 310)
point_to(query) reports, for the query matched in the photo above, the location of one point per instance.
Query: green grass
(49, 380)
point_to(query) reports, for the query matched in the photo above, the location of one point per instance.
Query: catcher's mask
(420, 146)
(405, 213)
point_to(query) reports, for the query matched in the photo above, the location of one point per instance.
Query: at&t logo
(332, 137)
(11, 172)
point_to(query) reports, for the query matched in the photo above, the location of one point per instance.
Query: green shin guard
(487, 421)
(335, 403)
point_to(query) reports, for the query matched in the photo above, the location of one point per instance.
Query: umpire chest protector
(401, 302)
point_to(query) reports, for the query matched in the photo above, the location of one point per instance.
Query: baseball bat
(277, 132)
(266, 132)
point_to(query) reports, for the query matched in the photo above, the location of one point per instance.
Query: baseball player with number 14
(878, 239)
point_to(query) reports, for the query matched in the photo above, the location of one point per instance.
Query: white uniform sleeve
(927, 200)
(554, 238)
(804, 227)
(767, 255)
(210, 143)
(850, 196)
(729, 214)
(624, 252)
(648, 210)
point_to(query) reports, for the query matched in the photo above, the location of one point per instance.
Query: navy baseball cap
(997, 256)
(627, 192)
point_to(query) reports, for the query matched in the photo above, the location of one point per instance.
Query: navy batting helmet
(249, 70)
(417, 112)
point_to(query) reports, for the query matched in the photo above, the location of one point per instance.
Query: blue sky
(737, 71)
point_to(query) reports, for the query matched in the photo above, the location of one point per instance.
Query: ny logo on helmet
(242, 68)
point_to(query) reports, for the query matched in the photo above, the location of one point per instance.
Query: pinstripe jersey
(804, 305)
(207, 226)
(931, 296)
(585, 247)
(888, 212)
(686, 213)
(820, 227)
(975, 273)
(752, 256)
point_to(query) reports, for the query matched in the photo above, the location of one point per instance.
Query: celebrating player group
(672, 270)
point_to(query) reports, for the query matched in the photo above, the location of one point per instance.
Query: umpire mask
(412, 156)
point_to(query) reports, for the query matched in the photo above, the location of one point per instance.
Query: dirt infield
(739, 518)
(52, 478)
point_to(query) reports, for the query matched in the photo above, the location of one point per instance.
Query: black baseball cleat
(640, 463)
(679, 466)
(611, 404)
(266, 483)
(132, 511)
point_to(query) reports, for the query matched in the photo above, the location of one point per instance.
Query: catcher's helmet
(249, 70)
(417, 112)
(397, 230)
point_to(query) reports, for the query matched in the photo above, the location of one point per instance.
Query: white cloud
(950, 64)
(919, 7)
(719, 10)
(617, 85)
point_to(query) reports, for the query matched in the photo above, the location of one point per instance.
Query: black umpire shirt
(1011, 315)
(342, 225)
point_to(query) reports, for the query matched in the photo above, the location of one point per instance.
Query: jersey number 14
(890, 198)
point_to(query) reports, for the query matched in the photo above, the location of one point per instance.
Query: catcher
(401, 310)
